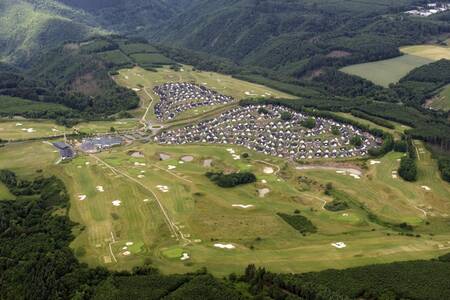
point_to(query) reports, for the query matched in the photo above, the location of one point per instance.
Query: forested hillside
(132, 15)
(298, 37)
(28, 27)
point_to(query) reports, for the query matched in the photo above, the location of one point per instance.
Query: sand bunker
(263, 192)
(426, 188)
(146, 200)
(338, 170)
(127, 253)
(100, 188)
(264, 181)
(170, 167)
(116, 202)
(19, 124)
(187, 158)
(355, 176)
(55, 130)
(339, 245)
(29, 130)
(163, 188)
(242, 205)
(87, 163)
(129, 243)
(163, 156)
(224, 246)
(136, 154)
(185, 256)
(231, 150)
(140, 164)
(375, 162)
(82, 197)
(394, 174)
(268, 170)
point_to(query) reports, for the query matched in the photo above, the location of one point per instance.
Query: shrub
(299, 223)
(309, 123)
(286, 116)
(336, 205)
(408, 169)
(356, 141)
(231, 180)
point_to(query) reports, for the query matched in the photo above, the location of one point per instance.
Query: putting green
(174, 252)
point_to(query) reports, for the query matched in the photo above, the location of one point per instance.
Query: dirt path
(110, 248)
(174, 229)
(144, 117)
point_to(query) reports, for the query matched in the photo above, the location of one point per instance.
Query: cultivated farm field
(385, 72)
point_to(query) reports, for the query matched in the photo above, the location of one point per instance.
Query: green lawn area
(20, 129)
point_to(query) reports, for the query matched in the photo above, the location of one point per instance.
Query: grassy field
(442, 100)
(21, 129)
(397, 132)
(205, 215)
(26, 129)
(105, 126)
(385, 72)
(138, 78)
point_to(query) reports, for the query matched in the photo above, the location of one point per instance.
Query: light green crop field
(433, 52)
(201, 214)
(28, 129)
(385, 72)
(442, 100)
(137, 78)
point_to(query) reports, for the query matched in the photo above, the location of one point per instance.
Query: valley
(247, 149)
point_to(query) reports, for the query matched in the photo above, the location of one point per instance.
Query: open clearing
(205, 215)
(442, 100)
(143, 82)
(385, 72)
